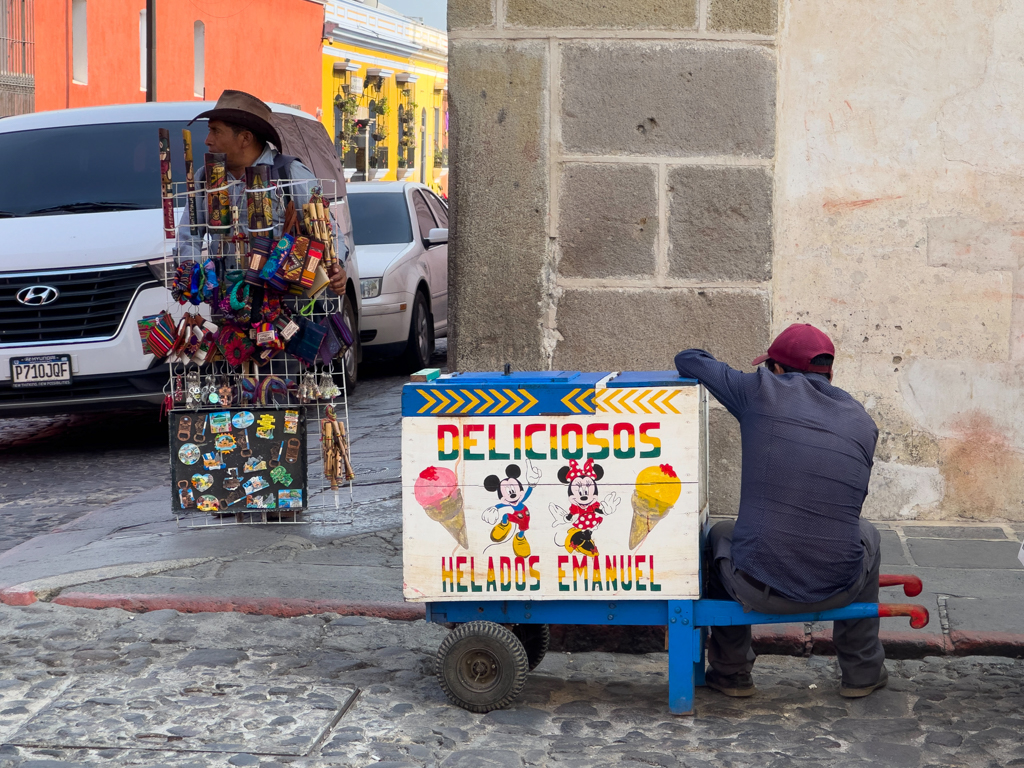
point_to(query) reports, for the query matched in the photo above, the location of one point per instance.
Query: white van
(81, 239)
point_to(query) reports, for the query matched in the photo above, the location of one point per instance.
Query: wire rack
(284, 382)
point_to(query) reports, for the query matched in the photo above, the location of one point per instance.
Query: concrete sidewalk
(134, 556)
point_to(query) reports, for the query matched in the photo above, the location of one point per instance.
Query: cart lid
(650, 379)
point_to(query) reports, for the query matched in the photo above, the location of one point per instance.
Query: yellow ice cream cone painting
(657, 491)
(437, 491)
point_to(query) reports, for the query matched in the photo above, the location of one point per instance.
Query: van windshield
(86, 168)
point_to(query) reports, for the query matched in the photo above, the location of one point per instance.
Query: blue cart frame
(687, 622)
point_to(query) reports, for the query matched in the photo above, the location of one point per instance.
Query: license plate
(41, 371)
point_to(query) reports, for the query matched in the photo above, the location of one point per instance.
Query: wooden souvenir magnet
(293, 450)
(201, 435)
(246, 450)
(277, 461)
(184, 428)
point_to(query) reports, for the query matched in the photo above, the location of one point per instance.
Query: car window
(424, 217)
(440, 212)
(82, 168)
(380, 218)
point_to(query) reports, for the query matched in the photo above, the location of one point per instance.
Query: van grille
(91, 304)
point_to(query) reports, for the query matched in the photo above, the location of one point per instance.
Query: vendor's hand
(339, 278)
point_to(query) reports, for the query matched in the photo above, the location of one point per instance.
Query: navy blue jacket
(807, 455)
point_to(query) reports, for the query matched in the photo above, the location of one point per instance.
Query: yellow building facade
(385, 94)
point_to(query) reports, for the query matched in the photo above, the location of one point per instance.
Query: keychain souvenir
(188, 454)
(220, 422)
(226, 393)
(328, 389)
(214, 460)
(185, 496)
(209, 388)
(291, 422)
(200, 438)
(194, 390)
(280, 476)
(179, 389)
(242, 419)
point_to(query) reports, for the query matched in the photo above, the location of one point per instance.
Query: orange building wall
(270, 48)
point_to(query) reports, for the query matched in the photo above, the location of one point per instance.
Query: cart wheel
(535, 639)
(482, 666)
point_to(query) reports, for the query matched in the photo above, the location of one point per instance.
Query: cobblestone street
(84, 687)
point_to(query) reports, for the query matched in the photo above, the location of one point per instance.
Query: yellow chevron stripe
(532, 400)
(501, 398)
(586, 399)
(567, 401)
(471, 400)
(429, 398)
(485, 397)
(518, 400)
(454, 394)
(443, 401)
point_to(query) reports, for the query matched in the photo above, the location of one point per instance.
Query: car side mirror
(437, 236)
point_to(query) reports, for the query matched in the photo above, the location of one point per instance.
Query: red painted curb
(898, 645)
(987, 644)
(264, 606)
(17, 597)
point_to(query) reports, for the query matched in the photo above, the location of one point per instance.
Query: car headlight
(370, 288)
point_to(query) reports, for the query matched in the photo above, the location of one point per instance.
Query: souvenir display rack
(253, 335)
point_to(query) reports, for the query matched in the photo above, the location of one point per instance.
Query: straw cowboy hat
(246, 110)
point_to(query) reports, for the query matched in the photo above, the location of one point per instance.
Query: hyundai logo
(37, 295)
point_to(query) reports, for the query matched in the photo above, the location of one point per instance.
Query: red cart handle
(918, 613)
(911, 584)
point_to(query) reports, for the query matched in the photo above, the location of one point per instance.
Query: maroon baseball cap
(797, 346)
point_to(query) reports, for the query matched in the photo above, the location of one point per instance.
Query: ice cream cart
(560, 497)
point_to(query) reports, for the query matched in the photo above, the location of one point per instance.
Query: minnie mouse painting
(511, 507)
(582, 517)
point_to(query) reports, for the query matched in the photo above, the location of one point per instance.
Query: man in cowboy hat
(798, 543)
(241, 127)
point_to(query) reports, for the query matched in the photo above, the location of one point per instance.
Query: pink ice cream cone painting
(437, 491)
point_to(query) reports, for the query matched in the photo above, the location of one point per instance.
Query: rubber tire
(350, 360)
(417, 358)
(535, 639)
(487, 643)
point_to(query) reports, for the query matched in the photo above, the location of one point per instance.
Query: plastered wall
(633, 178)
(899, 229)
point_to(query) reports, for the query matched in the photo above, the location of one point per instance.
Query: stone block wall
(612, 184)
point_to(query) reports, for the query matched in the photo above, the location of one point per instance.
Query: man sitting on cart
(798, 543)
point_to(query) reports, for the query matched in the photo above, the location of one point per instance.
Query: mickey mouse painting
(582, 517)
(511, 509)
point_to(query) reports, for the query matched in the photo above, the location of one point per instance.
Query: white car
(81, 244)
(401, 230)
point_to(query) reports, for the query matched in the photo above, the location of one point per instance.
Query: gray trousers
(857, 645)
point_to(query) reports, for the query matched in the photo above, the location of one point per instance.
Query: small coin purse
(305, 344)
(330, 346)
(344, 334)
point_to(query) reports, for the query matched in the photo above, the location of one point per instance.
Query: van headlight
(370, 288)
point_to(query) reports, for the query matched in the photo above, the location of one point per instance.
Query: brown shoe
(739, 686)
(857, 693)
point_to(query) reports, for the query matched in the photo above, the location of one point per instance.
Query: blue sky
(434, 12)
